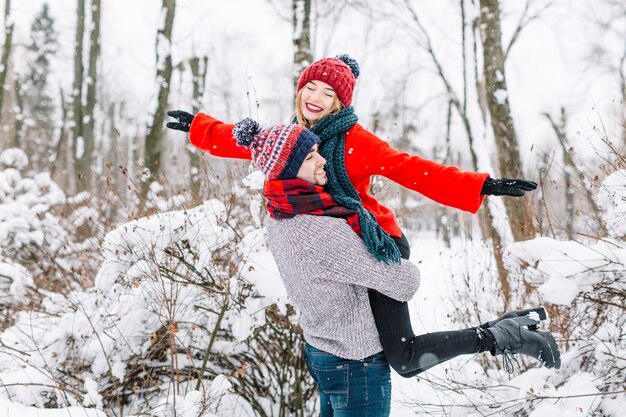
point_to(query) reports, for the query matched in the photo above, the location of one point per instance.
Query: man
(327, 270)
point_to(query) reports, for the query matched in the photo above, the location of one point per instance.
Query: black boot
(510, 336)
(541, 314)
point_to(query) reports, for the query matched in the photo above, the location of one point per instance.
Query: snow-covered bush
(15, 281)
(38, 225)
(31, 239)
(25, 218)
(176, 318)
(583, 285)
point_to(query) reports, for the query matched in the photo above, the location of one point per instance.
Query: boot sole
(551, 358)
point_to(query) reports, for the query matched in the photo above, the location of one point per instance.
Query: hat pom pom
(351, 62)
(245, 130)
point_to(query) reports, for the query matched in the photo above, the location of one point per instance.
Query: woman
(353, 154)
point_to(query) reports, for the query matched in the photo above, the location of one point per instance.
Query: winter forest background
(134, 276)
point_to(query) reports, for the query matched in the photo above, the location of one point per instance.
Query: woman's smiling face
(317, 100)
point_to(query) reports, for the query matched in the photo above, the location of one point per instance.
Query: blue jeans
(350, 387)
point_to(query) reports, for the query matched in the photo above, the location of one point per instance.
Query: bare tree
(6, 49)
(199, 67)
(622, 78)
(612, 27)
(77, 94)
(489, 231)
(84, 164)
(301, 19)
(58, 156)
(154, 139)
(19, 121)
(509, 159)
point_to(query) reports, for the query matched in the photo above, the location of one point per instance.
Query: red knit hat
(278, 151)
(340, 73)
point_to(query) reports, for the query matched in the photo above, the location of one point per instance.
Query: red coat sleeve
(216, 138)
(444, 184)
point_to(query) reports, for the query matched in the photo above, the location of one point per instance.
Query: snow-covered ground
(101, 331)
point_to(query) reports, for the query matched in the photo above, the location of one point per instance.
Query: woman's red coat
(366, 155)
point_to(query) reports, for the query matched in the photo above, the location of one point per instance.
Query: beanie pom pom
(351, 62)
(245, 130)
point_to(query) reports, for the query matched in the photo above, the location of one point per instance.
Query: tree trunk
(78, 148)
(198, 70)
(19, 119)
(6, 49)
(622, 79)
(301, 20)
(58, 161)
(85, 162)
(509, 160)
(154, 138)
(488, 229)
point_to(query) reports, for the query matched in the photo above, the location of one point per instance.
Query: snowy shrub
(16, 285)
(174, 321)
(14, 158)
(583, 285)
(25, 219)
(33, 229)
(32, 240)
(584, 288)
(15, 281)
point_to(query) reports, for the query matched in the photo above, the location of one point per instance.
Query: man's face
(312, 169)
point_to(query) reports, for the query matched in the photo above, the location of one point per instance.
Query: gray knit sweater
(327, 269)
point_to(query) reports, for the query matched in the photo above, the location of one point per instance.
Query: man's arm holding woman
(340, 254)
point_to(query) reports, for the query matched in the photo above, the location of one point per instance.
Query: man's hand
(505, 186)
(184, 120)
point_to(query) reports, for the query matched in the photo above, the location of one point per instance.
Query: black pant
(407, 353)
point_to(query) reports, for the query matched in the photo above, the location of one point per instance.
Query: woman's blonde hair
(303, 121)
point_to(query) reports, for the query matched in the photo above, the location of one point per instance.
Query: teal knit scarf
(332, 133)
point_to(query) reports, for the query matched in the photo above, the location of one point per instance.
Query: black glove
(505, 186)
(184, 120)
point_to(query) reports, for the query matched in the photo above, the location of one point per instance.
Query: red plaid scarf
(286, 198)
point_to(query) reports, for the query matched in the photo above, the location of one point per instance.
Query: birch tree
(154, 139)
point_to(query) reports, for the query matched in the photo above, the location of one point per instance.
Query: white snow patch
(254, 180)
(500, 95)
(14, 158)
(559, 290)
(14, 283)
